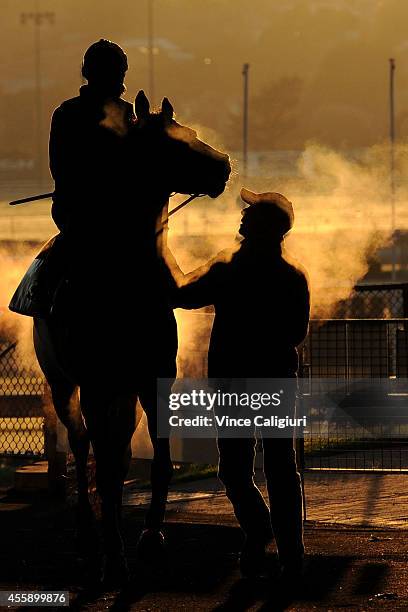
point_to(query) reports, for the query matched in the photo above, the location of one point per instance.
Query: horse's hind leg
(66, 404)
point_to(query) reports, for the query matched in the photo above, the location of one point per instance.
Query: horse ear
(142, 105)
(167, 110)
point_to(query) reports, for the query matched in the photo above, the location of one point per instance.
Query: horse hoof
(91, 572)
(151, 545)
(87, 536)
(115, 572)
(252, 558)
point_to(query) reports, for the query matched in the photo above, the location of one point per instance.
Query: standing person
(261, 315)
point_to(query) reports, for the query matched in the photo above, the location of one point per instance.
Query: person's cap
(274, 208)
(102, 57)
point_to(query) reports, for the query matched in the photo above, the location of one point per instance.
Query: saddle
(36, 294)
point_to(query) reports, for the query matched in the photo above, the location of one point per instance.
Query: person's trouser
(236, 471)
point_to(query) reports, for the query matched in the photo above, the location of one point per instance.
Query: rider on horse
(111, 331)
(86, 161)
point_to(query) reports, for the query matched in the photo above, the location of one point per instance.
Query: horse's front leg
(151, 542)
(111, 423)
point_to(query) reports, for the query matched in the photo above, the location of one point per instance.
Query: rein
(45, 196)
(176, 209)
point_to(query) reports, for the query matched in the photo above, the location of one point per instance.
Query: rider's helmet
(104, 63)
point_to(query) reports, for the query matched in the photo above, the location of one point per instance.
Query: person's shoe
(252, 558)
(115, 572)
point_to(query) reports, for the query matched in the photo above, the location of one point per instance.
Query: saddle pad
(35, 293)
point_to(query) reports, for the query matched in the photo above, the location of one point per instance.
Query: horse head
(184, 163)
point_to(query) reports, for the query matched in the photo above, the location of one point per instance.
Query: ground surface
(370, 499)
(348, 567)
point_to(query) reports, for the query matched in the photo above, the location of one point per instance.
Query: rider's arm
(54, 149)
(63, 150)
(61, 154)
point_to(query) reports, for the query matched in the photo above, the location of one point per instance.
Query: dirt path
(378, 500)
(348, 567)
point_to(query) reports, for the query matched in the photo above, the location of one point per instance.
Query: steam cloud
(14, 261)
(342, 209)
(342, 217)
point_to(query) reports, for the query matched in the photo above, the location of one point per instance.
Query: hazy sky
(319, 69)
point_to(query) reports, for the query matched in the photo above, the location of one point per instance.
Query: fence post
(405, 300)
(300, 442)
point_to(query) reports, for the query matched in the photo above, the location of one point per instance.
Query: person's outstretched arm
(177, 275)
(200, 287)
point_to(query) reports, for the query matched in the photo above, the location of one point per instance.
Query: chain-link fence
(358, 417)
(388, 301)
(342, 349)
(21, 401)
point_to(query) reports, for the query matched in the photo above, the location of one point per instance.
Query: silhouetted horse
(113, 333)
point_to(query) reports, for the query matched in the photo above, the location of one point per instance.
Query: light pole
(38, 18)
(392, 165)
(150, 49)
(245, 74)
